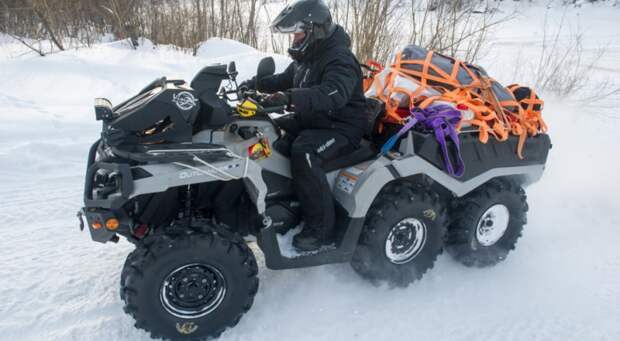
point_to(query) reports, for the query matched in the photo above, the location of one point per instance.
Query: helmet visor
(295, 28)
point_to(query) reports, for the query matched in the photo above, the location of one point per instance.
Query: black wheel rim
(193, 290)
(405, 240)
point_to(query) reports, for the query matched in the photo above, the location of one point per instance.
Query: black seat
(375, 109)
(361, 154)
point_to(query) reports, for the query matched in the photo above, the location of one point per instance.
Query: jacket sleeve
(278, 82)
(340, 76)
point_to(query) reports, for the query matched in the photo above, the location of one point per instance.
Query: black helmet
(309, 16)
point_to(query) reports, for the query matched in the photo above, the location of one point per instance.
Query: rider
(323, 87)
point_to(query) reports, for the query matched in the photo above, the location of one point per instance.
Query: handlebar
(259, 97)
(277, 109)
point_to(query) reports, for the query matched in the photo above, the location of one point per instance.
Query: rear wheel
(403, 235)
(487, 223)
(191, 286)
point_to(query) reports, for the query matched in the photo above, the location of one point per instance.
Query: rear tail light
(141, 231)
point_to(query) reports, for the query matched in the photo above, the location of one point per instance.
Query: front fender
(165, 176)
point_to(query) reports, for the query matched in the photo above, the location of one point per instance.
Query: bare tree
(184, 24)
(42, 10)
(125, 23)
(375, 26)
(455, 27)
(562, 66)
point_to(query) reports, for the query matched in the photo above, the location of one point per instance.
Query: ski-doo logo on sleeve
(326, 145)
(184, 100)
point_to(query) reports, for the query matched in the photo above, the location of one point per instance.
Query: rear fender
(356, 187)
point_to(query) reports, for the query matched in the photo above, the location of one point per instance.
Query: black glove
(277, 99)
(289, 123)
(246, 85)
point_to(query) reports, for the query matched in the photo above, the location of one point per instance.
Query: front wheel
(192, 286)
(403, 235)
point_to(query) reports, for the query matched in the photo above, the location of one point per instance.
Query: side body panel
(356, 187)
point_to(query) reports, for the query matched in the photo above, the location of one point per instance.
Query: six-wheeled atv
(189, 179)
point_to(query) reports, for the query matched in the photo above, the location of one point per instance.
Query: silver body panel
(354, 187)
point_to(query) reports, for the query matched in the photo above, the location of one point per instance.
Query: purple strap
(442, 120)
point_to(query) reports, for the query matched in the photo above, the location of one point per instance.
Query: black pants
(309, 150)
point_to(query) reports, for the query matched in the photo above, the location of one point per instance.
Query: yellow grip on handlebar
(247, 108)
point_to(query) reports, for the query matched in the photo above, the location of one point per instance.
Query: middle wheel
(403, 235)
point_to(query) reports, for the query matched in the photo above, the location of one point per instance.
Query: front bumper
(99, 209)
(95, 219)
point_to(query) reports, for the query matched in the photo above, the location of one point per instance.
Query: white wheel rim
(492, 225)
(405, 241)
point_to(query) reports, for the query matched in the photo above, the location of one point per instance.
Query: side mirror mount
(232, 70)
(266, 67)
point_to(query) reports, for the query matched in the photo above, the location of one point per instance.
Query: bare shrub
(186, 24)
(562, 67)
(124, 22)
(68, 23)
(277, 43)
(375, 26)
(457, 28)
(454, 27)
(602, 95)
(64, 23)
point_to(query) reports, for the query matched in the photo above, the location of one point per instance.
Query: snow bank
(62, 86)
(222, 47)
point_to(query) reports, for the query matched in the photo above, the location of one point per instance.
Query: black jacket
(325, 87)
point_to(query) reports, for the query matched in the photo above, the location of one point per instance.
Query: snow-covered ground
(562, 282)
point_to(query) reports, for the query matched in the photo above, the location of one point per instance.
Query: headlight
(103, 109)
(105, 183)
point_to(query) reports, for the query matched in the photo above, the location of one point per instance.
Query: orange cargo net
(491, 116)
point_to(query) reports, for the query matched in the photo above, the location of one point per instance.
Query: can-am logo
(184, 100)
(186, 174)
(189, 174)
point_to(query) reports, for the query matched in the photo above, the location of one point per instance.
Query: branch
(48, 27)
(21, 40)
